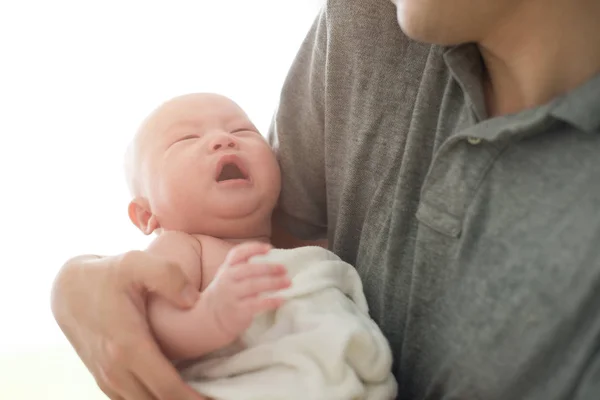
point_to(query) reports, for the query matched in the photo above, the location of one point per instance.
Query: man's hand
(100, 304)
(234, 296)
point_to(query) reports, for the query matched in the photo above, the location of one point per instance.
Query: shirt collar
(579, 107)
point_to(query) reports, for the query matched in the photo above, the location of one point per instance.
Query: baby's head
(198, 165)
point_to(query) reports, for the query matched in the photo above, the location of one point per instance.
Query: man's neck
(543, 50)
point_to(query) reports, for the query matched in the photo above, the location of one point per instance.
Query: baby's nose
(223, 141)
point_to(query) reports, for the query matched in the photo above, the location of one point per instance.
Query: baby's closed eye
(188, 137)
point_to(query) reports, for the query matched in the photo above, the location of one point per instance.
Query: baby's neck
(263, 239)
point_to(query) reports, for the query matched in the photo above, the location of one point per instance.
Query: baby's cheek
(171, 193)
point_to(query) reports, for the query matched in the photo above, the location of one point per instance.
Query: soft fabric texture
(320, 344)
(476, 239)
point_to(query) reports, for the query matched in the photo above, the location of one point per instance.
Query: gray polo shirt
(477, 239)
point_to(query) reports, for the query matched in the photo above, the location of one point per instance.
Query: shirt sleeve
(297, 137)
(589, 386)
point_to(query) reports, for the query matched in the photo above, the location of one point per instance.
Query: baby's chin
(226, 222)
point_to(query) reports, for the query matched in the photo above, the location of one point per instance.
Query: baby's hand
(234, 294)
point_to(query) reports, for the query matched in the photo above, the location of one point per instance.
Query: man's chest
(505, 273)
(480, 260)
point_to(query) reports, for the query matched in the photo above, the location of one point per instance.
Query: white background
(76, 78)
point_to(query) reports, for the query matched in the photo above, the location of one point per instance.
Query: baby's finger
(243, 252)
(255, 286)
(257, 305)
(246, 271)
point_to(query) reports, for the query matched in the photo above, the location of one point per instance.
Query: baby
(268, 323)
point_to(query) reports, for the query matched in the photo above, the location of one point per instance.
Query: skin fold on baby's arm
(183, 333)
(227, 304)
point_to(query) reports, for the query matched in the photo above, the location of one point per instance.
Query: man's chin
(427, 30)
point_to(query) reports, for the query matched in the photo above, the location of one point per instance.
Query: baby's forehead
(194, 110)
(201, 105)
(184, 113)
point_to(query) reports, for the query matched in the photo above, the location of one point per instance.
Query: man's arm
(113, 340)
(297, 137)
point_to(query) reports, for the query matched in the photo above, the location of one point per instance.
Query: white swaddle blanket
(320, 344)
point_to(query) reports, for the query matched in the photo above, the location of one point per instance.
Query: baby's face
(205, 167)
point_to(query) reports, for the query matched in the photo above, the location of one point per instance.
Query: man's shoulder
(368, 24)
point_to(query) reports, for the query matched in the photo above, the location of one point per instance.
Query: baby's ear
(141, 216)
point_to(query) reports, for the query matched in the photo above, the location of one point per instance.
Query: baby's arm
(181, 333)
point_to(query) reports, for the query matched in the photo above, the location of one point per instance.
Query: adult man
(461, 179)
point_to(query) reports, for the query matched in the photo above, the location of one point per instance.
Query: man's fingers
(243, 252)
(122, 386)
(159, 276)
(132, 389)
(109, 392)
(170, 282)
(160, 377)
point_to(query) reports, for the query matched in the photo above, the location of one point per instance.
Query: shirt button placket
(473, 140)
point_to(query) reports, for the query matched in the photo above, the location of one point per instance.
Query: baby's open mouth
(230, 171)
